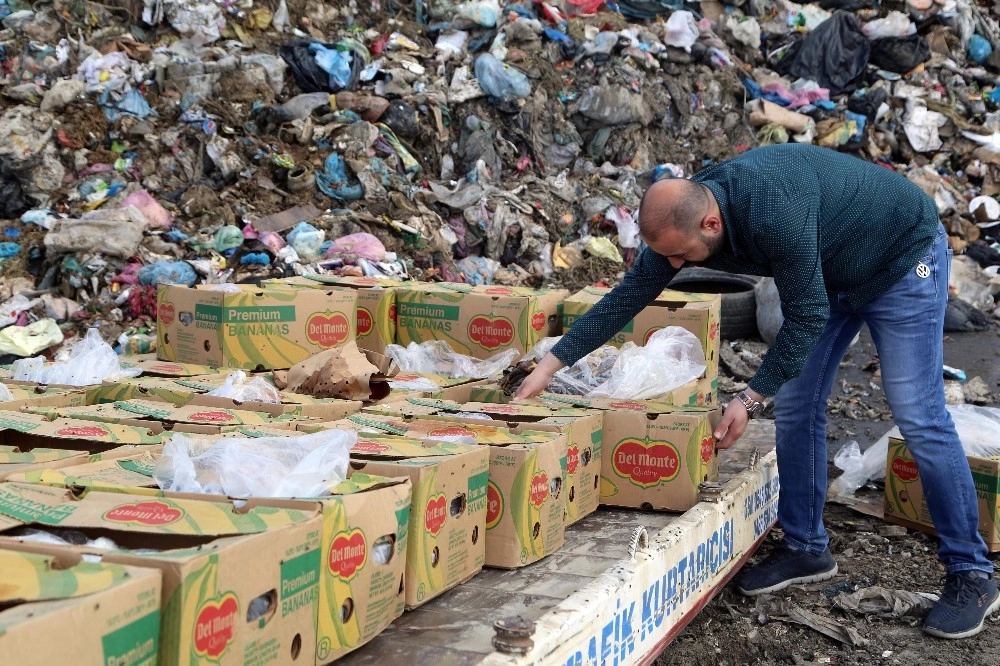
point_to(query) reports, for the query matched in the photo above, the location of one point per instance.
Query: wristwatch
(754, 407)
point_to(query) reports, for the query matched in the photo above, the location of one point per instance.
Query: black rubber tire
(739, 303)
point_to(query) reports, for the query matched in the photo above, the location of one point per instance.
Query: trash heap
(206, 142)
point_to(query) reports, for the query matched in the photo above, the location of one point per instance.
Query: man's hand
(734, 422)
(539, 378)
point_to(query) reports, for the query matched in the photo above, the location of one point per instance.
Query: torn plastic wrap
(438, 358)
(241, 387)
(90, 361)
(297, 466)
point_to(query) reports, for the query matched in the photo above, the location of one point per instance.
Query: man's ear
(711, 225)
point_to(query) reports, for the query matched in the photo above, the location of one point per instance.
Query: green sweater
(818, 221)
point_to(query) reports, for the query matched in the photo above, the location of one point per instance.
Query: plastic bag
(899, 54)
(978, 428)
(682, 30)
(5, 394)
(89, 361)
(438, 358)
(586, 374)
(672, 357)
(306, 239)
(297, 466)
(894, 24)
(30, 339)
(500, 80)
(417, 384)
(354, 246)
(834, 55)
(238, 386)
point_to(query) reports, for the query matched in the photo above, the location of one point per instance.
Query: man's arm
(648, 277)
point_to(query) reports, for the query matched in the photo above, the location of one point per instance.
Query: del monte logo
(572, 459)
(539, 489)
(491, 333)
(498, 291)
(500, 409)
(628, 404)
(83, 431)
(494, 505)
(368, 446)
(348, 554)
(453, 431)
(153, 513)
(165, 313)
(327, 330)
(213, 416)
(905, 470)
(707, 448)
(538, 321)
(364, 321)
(435, 513)
(649, 334)
(644, 462)
(215, 626)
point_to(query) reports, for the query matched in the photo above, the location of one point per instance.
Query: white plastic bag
(978, 428)
(895, 24)
(5, 394)
(673, 356)
(296, 466)
(682, 30)
(583, 376)
(89, 361)
(238, 386)
(436, 357)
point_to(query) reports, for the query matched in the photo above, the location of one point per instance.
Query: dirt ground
(736, 631)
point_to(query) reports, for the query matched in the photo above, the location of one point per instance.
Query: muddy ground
(735, 631)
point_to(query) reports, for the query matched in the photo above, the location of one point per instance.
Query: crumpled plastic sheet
(977, 428)
(5, 394)
(30, 339)
(90, 361)
(241, 387)
(333, 180)
(436, 357)
(295, 466)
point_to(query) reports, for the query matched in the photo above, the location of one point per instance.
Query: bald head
(676, 203)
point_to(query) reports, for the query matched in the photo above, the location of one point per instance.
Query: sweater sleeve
(790, 237)
(640, 286)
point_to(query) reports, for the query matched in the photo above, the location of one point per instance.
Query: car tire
(739, 302)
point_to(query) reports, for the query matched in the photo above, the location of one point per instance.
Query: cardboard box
(364, 544)
(583, 430)
(187, 392)
(154, 367)
(698, 313)
(446, 536)
(478, 321)
(259, 329)
(904, 496)
(31, 431)
(240, 584)
(160, 417)
(439, 387)
(702, 392)
(375, 311)
(14, 461)
(58, 609)
(36, 395)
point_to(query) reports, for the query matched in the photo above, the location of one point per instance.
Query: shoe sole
(801, 580)
(971, 632)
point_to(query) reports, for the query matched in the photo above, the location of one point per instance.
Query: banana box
(698, 313)
(160, 417)
(26, 395)
(240, 580)
(261, 329)
(31, 441)
(375, 312)
(446, 541)
(55, 608)
(192, 391)
(906, 505)
(364, 544)
(154, 367)
(439, 387)
(478, 321)
(583, 430)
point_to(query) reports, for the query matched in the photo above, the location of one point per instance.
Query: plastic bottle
(500, 80)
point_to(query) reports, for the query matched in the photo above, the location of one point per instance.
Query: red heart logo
(153, 513)
(494, 505)
(348, 554)
(645, 463)
(707, 448)
(328, 330)
(649, 334)
(364, 321)
(489, 333)
(435, 513)
(538, 321)
(215, 626)
(392, 313)
(539, 489)
(905, 470)
(83, 431)
(165, 313)
(572, 459)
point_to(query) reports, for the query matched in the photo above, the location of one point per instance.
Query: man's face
(684, 248)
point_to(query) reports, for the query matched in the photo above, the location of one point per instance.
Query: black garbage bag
(13, 203)
(960, 316)
(834, 55)
(846, 5)
(983, 254)
(867, 104)
(309, 76)
(899, 54)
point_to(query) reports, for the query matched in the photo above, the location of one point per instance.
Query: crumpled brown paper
(346, 373)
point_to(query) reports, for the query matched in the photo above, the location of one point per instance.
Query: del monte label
(707, 448)
(645, 463)
(435, 513)
(83, 431)
(490, 333)
(494, 505)
(368, 446)
(538, 321)
(213, 416)
(327, 330)
(628, 404)
(453, 431)
(152, 512)
(572, 459)
(165, 313)
(348, 554)
(364, 322)
(215, 626)
(539, 489)
(905, 470)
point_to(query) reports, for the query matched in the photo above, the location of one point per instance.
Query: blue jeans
(907, 326)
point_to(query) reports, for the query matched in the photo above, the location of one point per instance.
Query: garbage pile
(206, 142)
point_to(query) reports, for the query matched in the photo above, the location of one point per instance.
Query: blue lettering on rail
(613, 643)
